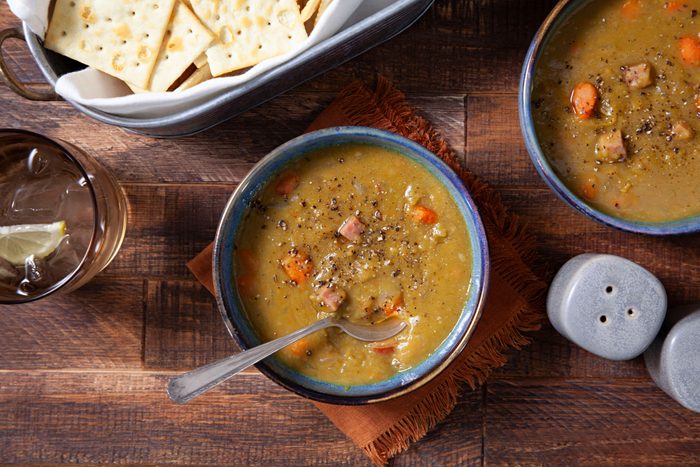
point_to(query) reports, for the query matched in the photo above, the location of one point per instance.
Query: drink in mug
(62, 217)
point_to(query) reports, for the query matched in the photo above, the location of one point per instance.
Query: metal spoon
(185, 387)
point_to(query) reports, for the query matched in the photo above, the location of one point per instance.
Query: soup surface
(360, 232)
(616, 104)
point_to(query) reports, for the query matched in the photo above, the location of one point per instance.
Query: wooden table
(82, 376)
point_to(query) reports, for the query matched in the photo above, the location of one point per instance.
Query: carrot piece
(287, 184)
(589, 188)
(299, 348)
(631, 9)
(584, 99)
(385, 347)
(297, 265)
(672, 6)
(393, 306)
(690, 50)
(423, 215)
(384, 350)
(697, 104)
(247, 285)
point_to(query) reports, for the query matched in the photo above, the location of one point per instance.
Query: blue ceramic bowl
(561, 12)
(240, 327)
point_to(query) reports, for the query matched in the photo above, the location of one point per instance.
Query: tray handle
(12, 81)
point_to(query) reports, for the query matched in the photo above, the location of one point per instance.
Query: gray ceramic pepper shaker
(673, 360)
(607, 305)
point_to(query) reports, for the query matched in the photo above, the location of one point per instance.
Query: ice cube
(77, 210)
(66, 258)
(38, 163)
(41, 197)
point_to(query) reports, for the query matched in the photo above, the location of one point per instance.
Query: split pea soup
(359, 232)
(616, 106)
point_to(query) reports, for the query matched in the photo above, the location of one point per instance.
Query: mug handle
(15, 84)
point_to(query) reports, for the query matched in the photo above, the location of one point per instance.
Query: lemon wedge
(18, 242)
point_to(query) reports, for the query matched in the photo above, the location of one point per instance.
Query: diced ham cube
(637, 76)
(611, 147)
(352, 229)
(682, 130)
(332, 297)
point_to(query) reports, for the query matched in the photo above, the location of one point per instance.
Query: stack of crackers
(173, 45)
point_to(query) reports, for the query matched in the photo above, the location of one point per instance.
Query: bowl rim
(561, 11)
(479, 287)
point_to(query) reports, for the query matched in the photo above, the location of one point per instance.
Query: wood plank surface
(494, 146)
(223, 154)
(168, 225)
(82, 375)
(98, 326)
(582, 422)
(125, 417)
(183, 326)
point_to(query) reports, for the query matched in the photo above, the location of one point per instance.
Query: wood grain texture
(494, 145)
(224, 154)
(168, 226)
(464, 45)
(575, 422)
(456, 441)
(183, 326)
(98, 326)
(126, 417)
(562, 233)
(551, 355)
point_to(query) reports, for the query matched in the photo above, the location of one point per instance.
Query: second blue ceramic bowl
(240, 327)
(564, 10)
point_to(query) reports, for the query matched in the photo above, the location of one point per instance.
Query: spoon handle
(185, 387)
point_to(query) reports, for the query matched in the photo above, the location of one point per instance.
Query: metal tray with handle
(378, 27)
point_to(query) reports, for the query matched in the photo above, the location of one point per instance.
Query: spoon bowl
(370, 333)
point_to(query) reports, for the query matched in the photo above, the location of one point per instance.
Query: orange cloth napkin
(514, 303)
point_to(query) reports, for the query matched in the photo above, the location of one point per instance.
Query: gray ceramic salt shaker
(607, 305)
(673, 360)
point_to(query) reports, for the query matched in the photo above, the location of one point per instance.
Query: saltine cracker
(309, 9)
(186, 39)
(121, 38)
(249, 31)
(200, 75)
